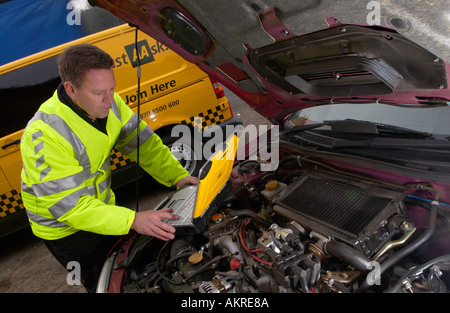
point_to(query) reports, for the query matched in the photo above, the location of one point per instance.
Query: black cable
(409, 248)
(205, 266)
(159, 270)
(138, 114)
(415, 270)
(178, 257)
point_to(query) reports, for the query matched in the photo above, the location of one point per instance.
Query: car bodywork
(353, 205)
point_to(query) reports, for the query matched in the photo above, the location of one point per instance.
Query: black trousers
(88, 249)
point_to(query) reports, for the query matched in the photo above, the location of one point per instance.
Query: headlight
(105, 275)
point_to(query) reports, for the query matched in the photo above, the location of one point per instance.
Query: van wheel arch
(183, 149)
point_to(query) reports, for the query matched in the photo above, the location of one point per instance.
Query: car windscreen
(430, 119)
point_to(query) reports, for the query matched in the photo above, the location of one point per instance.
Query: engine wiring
(244, 252)
(244, 243)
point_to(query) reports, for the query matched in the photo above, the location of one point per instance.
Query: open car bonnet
(358, 186)
(281, 56)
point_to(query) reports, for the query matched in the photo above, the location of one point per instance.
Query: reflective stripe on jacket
(66, 175)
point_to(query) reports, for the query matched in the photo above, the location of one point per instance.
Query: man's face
(96, 93)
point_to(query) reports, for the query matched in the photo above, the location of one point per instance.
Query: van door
(12, 213)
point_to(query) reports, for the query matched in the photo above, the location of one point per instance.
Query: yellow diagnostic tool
(193, 204)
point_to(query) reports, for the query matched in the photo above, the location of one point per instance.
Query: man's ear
(70, 90)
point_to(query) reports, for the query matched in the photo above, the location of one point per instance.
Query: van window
(22, 92)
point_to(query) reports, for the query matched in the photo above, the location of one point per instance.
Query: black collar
(99, 123)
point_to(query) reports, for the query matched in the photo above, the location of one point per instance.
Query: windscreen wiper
(302, 128)
(390, 143)
(306, 127)
(386, 128)
(358, 127)
(402, 140)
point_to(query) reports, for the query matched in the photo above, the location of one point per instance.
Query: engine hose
(205, 266)
(395, 258)
(250, 214)
(348, 254)
(150, 280)
(179, 256)
(418, 269)
(159, 270)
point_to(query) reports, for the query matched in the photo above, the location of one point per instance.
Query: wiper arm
(401, 130)
(391, 143)
(339, 126)
(302, 128)
(359, 127)
(373, 140)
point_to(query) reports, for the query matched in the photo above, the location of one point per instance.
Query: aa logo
(145, 54)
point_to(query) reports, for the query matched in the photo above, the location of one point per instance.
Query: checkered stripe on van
(210, 117)
(118, 160)
(10, 203)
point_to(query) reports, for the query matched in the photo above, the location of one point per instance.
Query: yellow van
(172, 92)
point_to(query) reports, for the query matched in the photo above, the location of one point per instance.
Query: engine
(302, 231)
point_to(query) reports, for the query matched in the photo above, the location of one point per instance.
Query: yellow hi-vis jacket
(66, 175)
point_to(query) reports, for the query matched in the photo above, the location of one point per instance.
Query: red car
(357, 195)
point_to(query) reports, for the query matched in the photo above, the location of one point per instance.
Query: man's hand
(150, 223)
(186, 180)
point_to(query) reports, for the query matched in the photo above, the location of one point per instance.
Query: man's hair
(75, 61)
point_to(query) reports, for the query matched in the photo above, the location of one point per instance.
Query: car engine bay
(306, 227)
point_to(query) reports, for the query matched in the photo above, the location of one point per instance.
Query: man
(66, 176)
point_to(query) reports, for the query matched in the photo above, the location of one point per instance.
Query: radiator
(362, 214)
